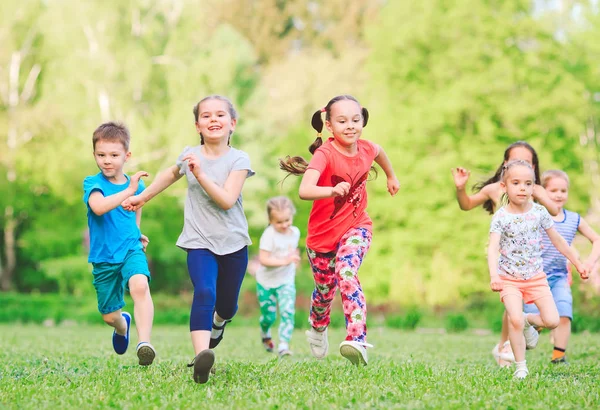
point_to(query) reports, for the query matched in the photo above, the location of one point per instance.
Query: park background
(447, 83)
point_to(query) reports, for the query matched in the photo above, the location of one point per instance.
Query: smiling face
(110, 157)
(281, 219)
(214, 121)
(558, 190)
(518, 184)
(345, 122)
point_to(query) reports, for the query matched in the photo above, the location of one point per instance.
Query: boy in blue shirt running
(117, 247)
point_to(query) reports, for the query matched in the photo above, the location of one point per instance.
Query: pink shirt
(331, 218)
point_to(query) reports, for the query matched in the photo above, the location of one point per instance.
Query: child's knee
(551, 322)
(517, 322)
(111, 318)
(139, 288)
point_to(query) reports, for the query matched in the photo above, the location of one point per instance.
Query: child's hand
(393, 185)
(341, 189)
(134, 181)
(294, 256)
(583, 270)
(461, 177)
(496, 283)
(145, 242)
(193, 164)
(133, 203)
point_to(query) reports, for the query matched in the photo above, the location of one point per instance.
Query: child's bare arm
(162, 181)
(309, 190)
(384, 162)
(586, 230)
(267, 259)
(492, 255)
(467, 202)
(563, 247)
(541, 195)
(100, 204)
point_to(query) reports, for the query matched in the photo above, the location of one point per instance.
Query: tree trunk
(10, 253)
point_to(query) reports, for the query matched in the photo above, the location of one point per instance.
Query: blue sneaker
(121, 343)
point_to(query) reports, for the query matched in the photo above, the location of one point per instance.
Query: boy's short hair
(554, 173)
(113, 132)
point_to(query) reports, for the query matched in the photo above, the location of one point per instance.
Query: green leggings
(268, 299)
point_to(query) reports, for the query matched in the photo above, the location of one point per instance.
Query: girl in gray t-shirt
(215, 230)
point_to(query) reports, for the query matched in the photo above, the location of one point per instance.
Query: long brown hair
(297, 165)
(489, 204)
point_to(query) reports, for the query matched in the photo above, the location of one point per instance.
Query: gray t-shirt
(279, 245)
(205, 224)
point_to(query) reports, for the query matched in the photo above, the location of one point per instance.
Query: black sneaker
(203, 364)
(560, 360)
(215, 342)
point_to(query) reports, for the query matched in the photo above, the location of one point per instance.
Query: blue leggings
(217, 280)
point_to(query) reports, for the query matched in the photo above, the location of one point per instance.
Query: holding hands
(134, 181)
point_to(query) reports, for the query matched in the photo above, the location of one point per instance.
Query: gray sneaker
(145, 353)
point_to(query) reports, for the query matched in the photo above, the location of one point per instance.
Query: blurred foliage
(448, 83)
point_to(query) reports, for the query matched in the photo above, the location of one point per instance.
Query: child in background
(567, 224)
(488, 193)
(275, 277)
(339, 228)
(515, 262)
(215, 230)
(116, 244)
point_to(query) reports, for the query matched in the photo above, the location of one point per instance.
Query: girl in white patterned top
(515, 262)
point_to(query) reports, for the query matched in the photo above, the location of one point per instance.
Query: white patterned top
(521, 241)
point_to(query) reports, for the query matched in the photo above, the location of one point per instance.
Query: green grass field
(74, 367)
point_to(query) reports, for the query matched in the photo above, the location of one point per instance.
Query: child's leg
(561, 337)
(286, 297)
(353, 247)
(268, 308)
(561, 292)
(514, 309)
(548, 316)
(232, 270)
(109, 292)
(116, 320)
(203, 270)
(323, 268)
(143, 308)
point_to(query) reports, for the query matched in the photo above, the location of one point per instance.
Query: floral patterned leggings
(340, 269)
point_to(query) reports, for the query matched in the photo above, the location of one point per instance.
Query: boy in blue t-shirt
(117, 247)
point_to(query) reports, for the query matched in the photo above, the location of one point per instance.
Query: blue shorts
(111, 279)
(561, 293)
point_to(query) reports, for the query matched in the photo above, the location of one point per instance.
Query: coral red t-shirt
(331, 218)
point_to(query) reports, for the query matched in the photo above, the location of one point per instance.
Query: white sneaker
(521, 373)
(318, 342)
(503, 355)
(354, 351)
(531, 335)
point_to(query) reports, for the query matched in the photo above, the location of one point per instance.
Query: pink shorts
(529, 290)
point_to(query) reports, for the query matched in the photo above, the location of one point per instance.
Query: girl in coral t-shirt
(339, 228)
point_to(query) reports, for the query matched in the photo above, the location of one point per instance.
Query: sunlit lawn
(74, 367)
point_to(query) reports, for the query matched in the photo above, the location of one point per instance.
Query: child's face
(518, 184)
(110, 157)
(346, 122)
(558, 190)
(281, 220)
(214, 121)
(521, 153)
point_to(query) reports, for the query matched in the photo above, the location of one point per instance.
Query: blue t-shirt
(555, 263)
(115, 233)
